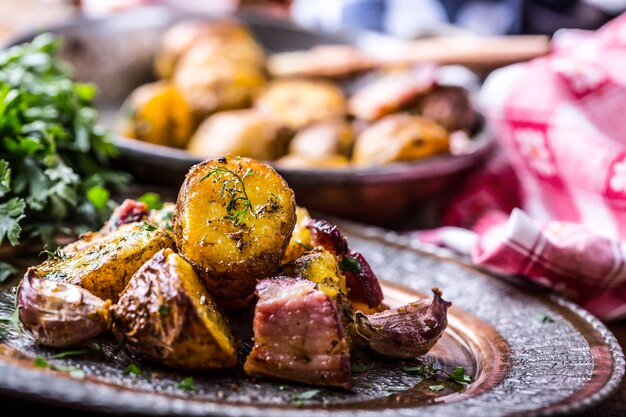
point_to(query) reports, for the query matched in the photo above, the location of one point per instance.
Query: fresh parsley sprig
(53, 155)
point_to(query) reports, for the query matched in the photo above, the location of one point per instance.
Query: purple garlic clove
(61, 314)
(405, 332)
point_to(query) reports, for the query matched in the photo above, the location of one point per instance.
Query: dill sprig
(235, 189)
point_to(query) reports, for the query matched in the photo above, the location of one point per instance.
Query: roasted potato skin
(296, 161)
(324, 139)
(157, 113)
(298, 103)
(166, 315)
(105, 264)
(184, 36)
(300, 240)
(228, 254)
(239, 132)
(399, 137)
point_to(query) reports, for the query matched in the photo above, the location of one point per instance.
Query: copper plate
(522, 366)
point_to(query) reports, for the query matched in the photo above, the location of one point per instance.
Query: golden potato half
(233, 220)
(105, 265)
(239, 132)
(182, 36)
(157, 113)
(297, 103)
(300, 238)
(224, 85)
(166, 315)
(399, 137)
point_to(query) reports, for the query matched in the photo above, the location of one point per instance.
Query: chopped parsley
(40, 362)
(164, 310)
(145, 226)
(430, 372)
(187, 384)
(151, 200)
(69, 353)
(133, 369)
(543, 318)
(350, 264)
(298, 399)
(436, 388)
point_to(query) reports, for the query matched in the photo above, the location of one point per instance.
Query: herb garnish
(430, 372)
(40, 362)
(393, 391)
(164, 310)
(53, 155)
(350, 264)
(13, 320)
(74, 372)
(359, 367)
(54, 255)
(187, 384)
(132, 368)
(152, 200)
(67, 353)
(543, 318)
(298, 399)
(145, 226)
(436, 387)
(235, 187)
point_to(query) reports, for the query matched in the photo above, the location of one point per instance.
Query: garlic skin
(61, 314)
(405, 332)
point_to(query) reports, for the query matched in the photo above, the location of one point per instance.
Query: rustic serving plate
(563, 362)
(116, 53)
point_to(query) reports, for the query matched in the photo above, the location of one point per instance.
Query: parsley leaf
(67, 353)
(543, 318)
(164, 310)
(360, 367)
(436, 388)
(187, 384)
(132, 369)
(350, 264)
(40, 362)
(152, 200)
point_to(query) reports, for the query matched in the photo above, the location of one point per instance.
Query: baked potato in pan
(246, 133)
(157, 113)
(167, 315)
(232, 223)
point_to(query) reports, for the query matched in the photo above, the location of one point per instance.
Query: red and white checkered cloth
(561, 122)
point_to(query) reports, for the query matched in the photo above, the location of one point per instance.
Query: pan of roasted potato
(234, 301)
(372, 145)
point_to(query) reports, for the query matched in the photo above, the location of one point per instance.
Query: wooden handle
(464, 50)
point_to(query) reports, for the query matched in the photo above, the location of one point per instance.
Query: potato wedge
(300, 238)
(157, 113)
(233, 221)
(166, 315)
(320, 267)
(104, 264)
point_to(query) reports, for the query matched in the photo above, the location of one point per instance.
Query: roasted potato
(157, 113)
(399, 137)
(166, 314)
(239, 132)
(233, 221)
(241, 49)
(300, 238)
(182, 37)
(297, 103)
(103, 266)
(328, 138)
(225, 85)
(296, 161)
